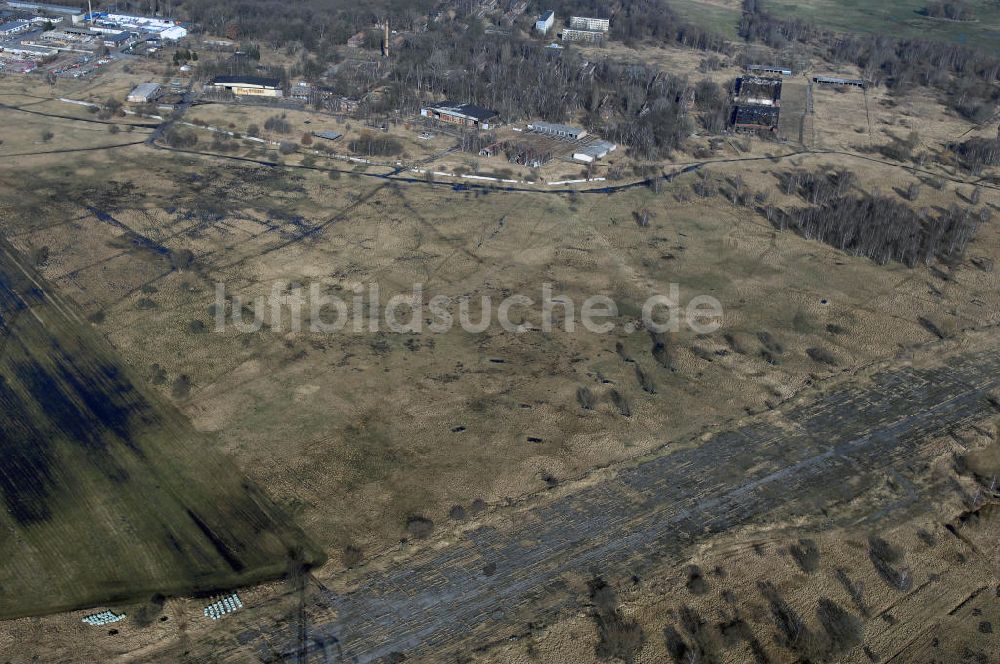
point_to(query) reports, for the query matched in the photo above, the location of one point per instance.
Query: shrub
(419, 527)
(373, 145)
(352, 556)
(886, 559)
(806, 555)
(696, 583)
(621, 403)
(645, 382)
(277, 124)
(617, 637)
(182, 387)
(844, 630)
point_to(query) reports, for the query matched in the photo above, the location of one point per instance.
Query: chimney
(385, 39)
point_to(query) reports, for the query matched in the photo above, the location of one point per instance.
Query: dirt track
(800, 460)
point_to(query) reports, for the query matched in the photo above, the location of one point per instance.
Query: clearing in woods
(109, 494)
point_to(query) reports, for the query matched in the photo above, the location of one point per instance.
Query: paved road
(651, 512)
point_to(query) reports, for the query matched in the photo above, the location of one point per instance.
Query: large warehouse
(468, 115)
(248, 85)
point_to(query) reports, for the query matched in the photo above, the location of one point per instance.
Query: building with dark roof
(248, 85)
(758, 90)
(13, 28)
(559, 130)
(835, 80)
(752, 117)
(769, 69)
(468, 115)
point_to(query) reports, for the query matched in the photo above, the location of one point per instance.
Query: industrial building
(467, 115)
(545, 22)
(585, 23)
(166, 29)
(560, 130)
(586, 36)
(596, 150)
(833, 80)
(248, 85)
(29, 51)
(769, 69)
(13, 28)
(758, 90)
(756, 118)
(144, 93)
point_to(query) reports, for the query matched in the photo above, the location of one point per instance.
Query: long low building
(835, 80)
(13, 28)
(560, 130)
(467, 115)
(588, 23)
(248, 85)
(769, 69)
(594, 151)
(586, 36)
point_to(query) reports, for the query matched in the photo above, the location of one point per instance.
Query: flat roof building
(116, 38)
(248, 85)
(468, 115)
(586, 23)
(143, 93)
(594, 151)
(13, 28)
(834, 80)
(769, 69)
(757, 90)
(753, 118)
(560, 130)
(586, 36)
(545, 22)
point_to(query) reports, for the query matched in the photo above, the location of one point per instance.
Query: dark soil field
(109, 495)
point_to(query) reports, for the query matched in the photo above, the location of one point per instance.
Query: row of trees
(873, 225)
(977, 153)
(953, 10)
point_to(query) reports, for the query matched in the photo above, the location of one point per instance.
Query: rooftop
(468, 110)
(145, 89)
(247, 80)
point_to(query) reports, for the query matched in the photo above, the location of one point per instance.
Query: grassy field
(899, 18)
(109, 494)
(354, 434)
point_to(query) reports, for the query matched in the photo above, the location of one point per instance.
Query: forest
(873, 224)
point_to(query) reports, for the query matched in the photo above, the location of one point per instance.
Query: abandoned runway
(810, 457)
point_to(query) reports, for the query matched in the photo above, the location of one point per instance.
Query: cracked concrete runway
(650, 512)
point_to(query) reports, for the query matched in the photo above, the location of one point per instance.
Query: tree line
(871, 224)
